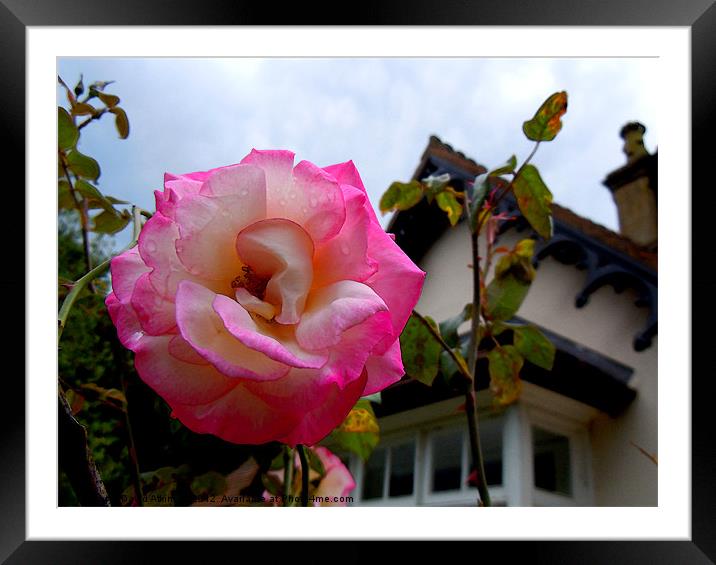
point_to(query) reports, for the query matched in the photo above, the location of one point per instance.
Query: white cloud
(196, 114)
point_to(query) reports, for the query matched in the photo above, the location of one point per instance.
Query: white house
(583, 434)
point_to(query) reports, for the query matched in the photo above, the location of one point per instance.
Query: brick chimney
(634, 188)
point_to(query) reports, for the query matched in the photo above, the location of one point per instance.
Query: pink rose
(337, 482)
(264, 299)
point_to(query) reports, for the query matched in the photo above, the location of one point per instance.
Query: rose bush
(263, 299)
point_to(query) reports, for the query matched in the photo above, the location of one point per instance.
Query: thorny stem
(81, 206)
(509, 186)
(470, 403)
(304, 474)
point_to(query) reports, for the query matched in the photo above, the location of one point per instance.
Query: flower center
(255, 284)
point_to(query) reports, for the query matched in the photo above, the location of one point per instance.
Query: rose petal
(156, 313)
(398, 281)
(317, 423)
(176, 380)
(125, 269)
(304, 194)
(345, 256)
(333, 309)
(282, 250)
(384, 370)
(202, 327)
(346, 173)
(254, 304)
(238, 417)
(209, 225)
(176, 187)
(275, 341)
(337, 481)
(129, 331)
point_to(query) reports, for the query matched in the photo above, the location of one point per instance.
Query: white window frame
(537, 407)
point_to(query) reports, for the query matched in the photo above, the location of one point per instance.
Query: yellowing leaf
(505, 364)
(401, 196)
(359, 433)
(359, 420)
(546, 123)
(448, 203)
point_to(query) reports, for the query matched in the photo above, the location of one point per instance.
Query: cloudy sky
(195, 114)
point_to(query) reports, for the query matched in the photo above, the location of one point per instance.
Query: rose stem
(470, 404)
(304, 474)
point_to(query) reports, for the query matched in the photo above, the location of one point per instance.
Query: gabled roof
(606, 256)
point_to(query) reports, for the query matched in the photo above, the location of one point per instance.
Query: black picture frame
(17, 15)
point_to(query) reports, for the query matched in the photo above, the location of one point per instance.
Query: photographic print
(358, 281)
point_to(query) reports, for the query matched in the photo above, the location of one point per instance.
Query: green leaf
(114, 200)
(448, 203)
(534, 346)
(209, 484)
(499, 326)
(421, 351)
(505, 364)
(505, 296)
(433, 185)
(401, 196)
(480, 190)
(121, 122)
(67, 132)
(546, 123)
(513, 275)
(111, 222)
(83, 166)
(534, 200)
(508, 167)
(91, 193)
(110, 100)
(449, 327)
(359, 433)
(65, 201)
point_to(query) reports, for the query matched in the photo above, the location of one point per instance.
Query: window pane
(491, 444)
(402, 460)
(373, 474)
(446, 461)
(551, 461)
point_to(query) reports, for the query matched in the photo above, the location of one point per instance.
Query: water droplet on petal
(344, 249)
(151, 247)
(282, 202)
(244, 192)
(292, 195)
(313, 201)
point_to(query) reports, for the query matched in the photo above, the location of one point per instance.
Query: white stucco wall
(622, 475)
